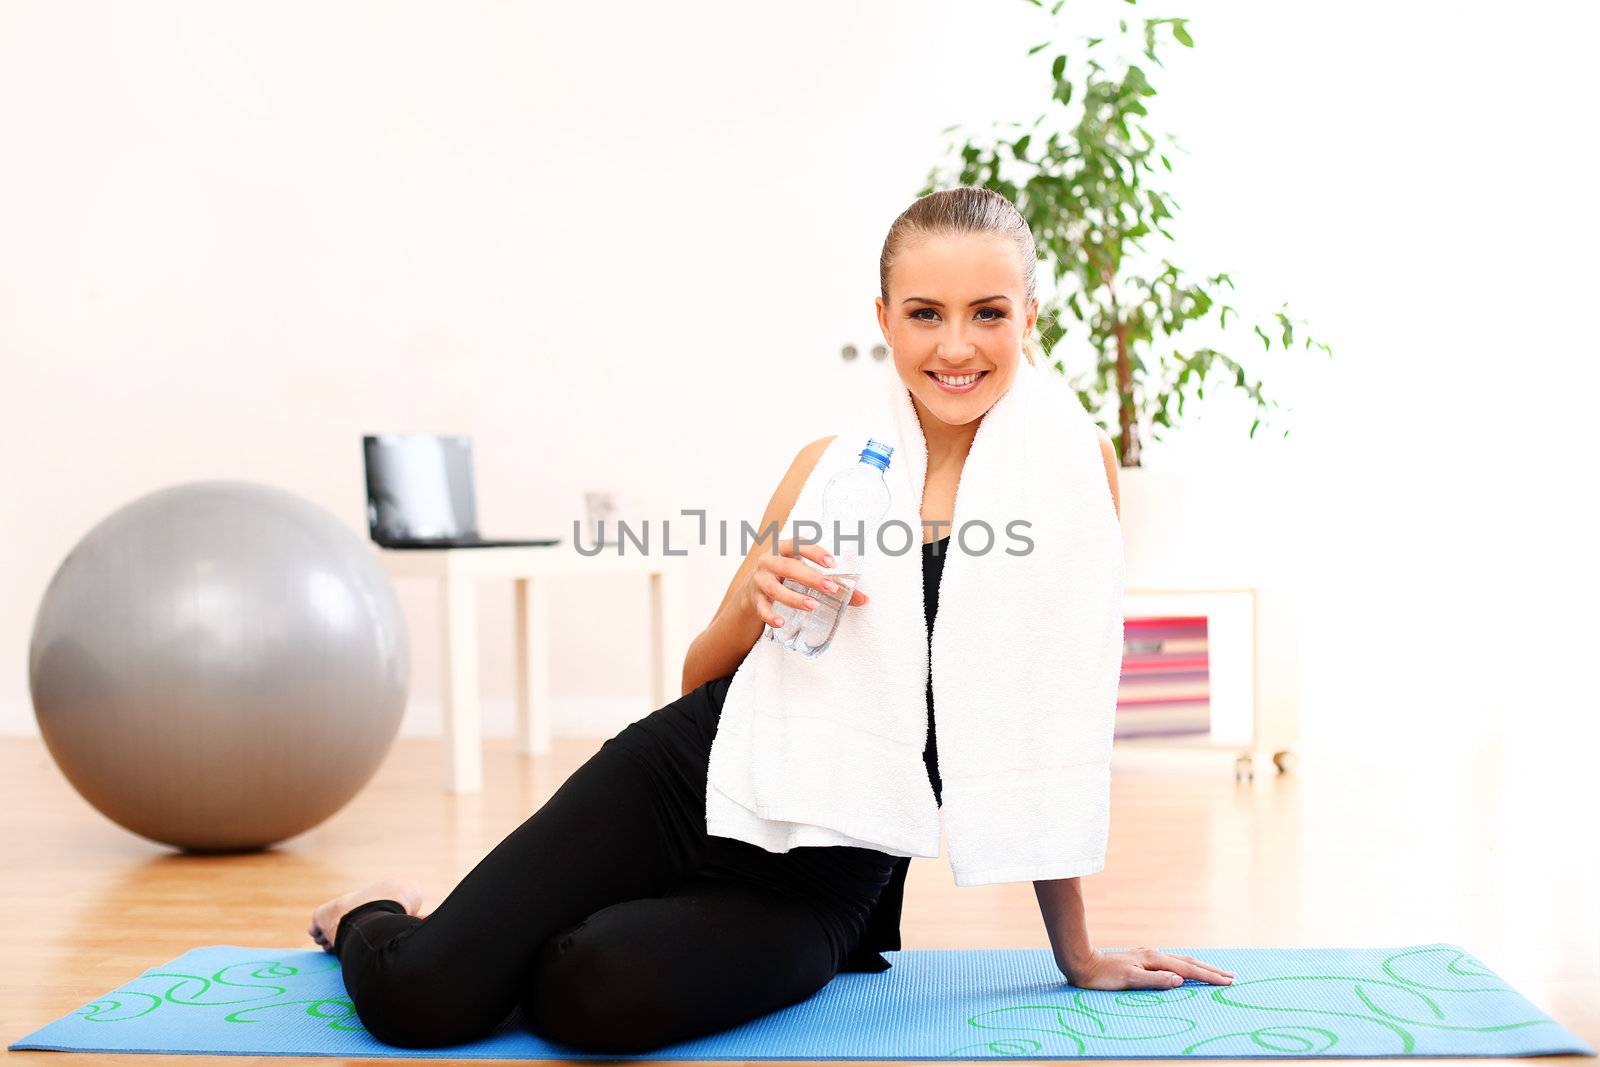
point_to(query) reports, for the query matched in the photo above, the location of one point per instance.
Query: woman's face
(955, 309)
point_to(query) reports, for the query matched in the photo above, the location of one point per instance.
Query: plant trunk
(1128, 424)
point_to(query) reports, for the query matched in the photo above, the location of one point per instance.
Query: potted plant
(1080, 174)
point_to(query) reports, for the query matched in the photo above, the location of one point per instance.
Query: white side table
(1256, 719)
(458, 571)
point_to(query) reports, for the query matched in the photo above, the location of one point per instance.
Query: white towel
(1026, 657)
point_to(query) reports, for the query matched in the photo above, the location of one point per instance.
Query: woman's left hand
(1142, 968)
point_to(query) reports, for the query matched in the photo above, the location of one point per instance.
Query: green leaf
(1058, 66)
(1181, 33)
(1165, 162)
(1038, 48)
(1059, 4)
(1021, 147)
(1266, 344)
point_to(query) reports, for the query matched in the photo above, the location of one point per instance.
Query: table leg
(463, 723)
(533, 667)
(667, 647)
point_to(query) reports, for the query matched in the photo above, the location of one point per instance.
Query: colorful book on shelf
(1165, 687)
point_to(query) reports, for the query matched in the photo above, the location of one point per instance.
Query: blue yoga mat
(1419, 1000)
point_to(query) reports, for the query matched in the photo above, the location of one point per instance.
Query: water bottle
(856, 498)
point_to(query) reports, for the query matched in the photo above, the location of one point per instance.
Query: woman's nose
(959, 347)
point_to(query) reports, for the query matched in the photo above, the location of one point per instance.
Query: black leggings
(611, 917)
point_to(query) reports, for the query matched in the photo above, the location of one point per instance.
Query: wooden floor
(1494, 851)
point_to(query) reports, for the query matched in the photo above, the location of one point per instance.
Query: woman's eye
(998, 314)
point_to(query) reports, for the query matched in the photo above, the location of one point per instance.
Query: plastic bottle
(856, 498)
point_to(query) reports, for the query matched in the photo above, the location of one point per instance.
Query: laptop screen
(419, 486)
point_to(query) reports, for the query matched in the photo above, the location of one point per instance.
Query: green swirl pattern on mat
(222, 988)
(1400, 1005)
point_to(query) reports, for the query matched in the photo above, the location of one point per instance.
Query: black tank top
(883, 924)
(932, 571)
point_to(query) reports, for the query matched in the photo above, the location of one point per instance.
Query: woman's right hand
(765, 587)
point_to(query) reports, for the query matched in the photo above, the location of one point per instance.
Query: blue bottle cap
(877, 453)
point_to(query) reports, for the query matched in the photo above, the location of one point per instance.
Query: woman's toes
(325, 920)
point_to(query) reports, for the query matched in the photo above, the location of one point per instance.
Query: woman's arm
(1141, 968)
(1061, 904)
(1061, 899)
(734, 628)
(1108, 452)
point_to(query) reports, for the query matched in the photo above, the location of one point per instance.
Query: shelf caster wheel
(1244, 767)
(1285, 761)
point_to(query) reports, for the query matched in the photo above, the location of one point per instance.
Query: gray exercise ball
(219, 665)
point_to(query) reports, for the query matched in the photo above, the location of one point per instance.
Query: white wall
(233, 239)
(1411, 177)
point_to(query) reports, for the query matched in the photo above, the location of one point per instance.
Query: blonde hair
(966, 209)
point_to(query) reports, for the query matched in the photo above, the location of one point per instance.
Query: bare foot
(325, 920)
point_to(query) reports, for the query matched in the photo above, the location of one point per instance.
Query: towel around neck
(1025, 658)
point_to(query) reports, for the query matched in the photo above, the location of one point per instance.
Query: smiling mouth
(957, 383)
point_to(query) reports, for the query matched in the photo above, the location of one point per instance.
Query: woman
(610, 915)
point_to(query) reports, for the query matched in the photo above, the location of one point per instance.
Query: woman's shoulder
(815, 449)
(785, 496)
(800, 470)
(806, 460)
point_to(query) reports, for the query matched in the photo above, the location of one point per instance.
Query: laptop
(420, 493)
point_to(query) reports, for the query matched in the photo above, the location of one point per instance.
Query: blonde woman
(610, 917)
